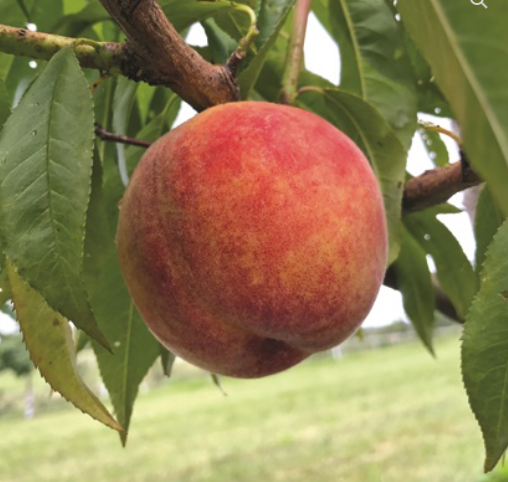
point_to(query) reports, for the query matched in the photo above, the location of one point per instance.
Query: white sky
(322, 57)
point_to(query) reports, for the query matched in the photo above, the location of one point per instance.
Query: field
(389, 415)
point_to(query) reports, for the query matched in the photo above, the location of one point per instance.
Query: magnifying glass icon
(479, 3)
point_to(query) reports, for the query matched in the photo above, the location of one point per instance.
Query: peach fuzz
(251, 237)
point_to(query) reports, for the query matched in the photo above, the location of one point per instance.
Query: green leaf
(5, 105)
(12, 14)
(415, 284)
(372, 134)
(466, 48)
(49, 340)
(167, 360)
(5, 65)
(183, 13)
(488, 219)
(454, 271)
(99, 236)
(485, 350)
(75, 24)
(43, 15)
(45, 169)
(135, 349)
(435, 146)
(374, 63)
(220, 43)
(273, 15)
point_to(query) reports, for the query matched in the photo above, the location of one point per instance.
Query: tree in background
(120, 68)
(14, 357)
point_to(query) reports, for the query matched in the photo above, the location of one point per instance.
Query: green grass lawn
(393, 415)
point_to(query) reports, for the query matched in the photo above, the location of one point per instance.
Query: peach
(251, 237)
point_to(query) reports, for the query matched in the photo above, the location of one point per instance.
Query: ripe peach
(252, 236)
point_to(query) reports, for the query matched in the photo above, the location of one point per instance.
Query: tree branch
(109, 136)
(437, 186)
(105, 56)
(158, 55)
(295, 53)
(154, 53)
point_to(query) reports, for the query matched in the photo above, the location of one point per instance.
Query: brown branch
(437, 186)
(109, 136)
(158, 55)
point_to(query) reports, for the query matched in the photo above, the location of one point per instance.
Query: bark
(158, 55)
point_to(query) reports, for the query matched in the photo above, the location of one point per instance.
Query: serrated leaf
(435, 147)
(488, 219)
(466, 48)
(415, 284)
(273, 14)
(485, 350)
(45, 169)
(372, 134)
(99, 236)
(135, 348)
(454, 271)
(374, 63)
(48, 338)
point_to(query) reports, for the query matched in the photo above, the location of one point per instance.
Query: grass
(392, 415)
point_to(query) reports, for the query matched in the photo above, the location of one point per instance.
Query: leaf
(374, 63)
(99, 236)
(485, 350)
(466, 48)
(454, 271)
(220, 43)
(75, 24)
(415, 284)
(372, 134)
(435, 147)
(5, 65)
(44, 16)
(123, 103)
(488, 219)
(167, 360)
(49, 340)
(183, 13)
(45, 169)
(273, 15)
(5, 105)
(135, 348)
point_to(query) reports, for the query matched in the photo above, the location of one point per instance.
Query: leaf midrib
(356, 48)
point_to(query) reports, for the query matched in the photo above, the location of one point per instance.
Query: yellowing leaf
(48, 338)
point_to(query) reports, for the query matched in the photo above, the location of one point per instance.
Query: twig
(437, 186)
(441, 130)
(109, 136)
(104, 56)
(295, 53)
(243, 46)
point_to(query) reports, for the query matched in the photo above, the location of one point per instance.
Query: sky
(322, 57)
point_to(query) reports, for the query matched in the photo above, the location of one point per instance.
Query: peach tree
(86, 86)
